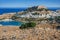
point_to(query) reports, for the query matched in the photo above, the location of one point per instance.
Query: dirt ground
(40, 32)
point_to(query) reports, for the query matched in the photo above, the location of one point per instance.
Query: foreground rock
(40, 32)
(6, 16)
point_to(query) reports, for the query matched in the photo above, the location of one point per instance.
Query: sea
(8, 10)
(9, 22)
(54, 8)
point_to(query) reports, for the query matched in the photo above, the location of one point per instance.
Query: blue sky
(28, 3)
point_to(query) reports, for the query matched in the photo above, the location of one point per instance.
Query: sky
(28, 3)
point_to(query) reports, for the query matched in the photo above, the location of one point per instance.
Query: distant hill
(36, 8)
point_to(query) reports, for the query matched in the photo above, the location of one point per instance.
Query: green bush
(50, 19)
(28, 25)
(14, 17)
(57, 18)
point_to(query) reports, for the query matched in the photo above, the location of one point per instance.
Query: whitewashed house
(38, 14)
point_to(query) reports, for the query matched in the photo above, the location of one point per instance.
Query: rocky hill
(6, 16)
(40, 32)
(36, 8)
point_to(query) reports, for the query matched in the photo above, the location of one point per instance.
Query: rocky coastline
(44, 30)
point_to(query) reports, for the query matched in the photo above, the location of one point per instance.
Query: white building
(39, 14)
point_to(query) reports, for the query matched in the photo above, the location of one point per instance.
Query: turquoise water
(10, 23)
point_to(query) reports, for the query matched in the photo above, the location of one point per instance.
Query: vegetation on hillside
(57, 19)
(14, 17)
(28, 25)
(35, 8)
(32, 8)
